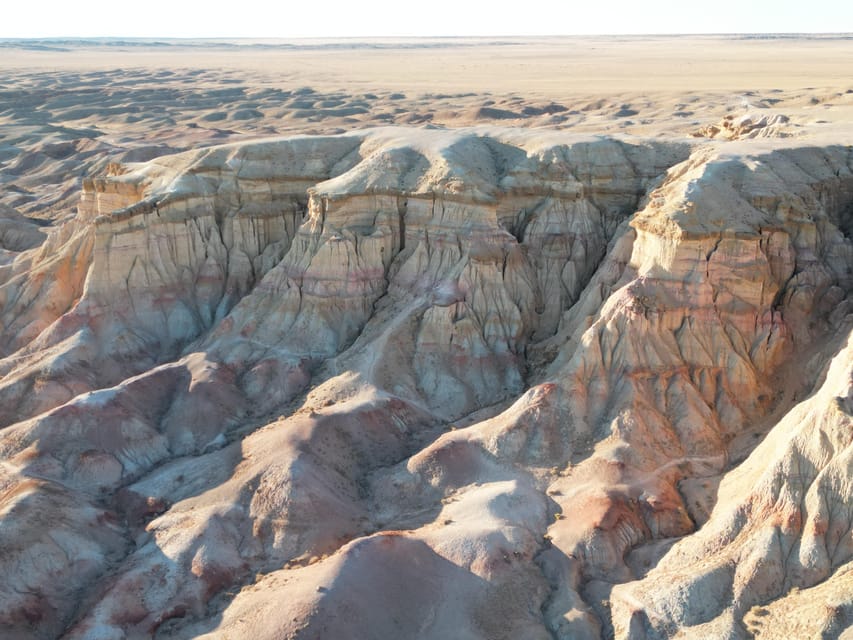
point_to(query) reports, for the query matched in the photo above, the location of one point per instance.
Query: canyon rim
(294, 347)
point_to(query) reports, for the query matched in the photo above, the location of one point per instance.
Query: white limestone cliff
(485, 382)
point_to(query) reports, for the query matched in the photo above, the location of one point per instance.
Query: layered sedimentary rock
(158, 271)
(781, 529)
(722, 263)
(482, 383)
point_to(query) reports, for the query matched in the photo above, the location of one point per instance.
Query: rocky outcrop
(781, 529)
(717, 267)
(489, 383)
(157, 272)
(748, 126)
(475, 229)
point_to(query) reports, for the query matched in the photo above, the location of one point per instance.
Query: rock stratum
(409, 383)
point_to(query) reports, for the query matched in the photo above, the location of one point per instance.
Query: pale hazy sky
(335, 18)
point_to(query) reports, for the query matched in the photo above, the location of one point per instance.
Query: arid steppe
(484, 339)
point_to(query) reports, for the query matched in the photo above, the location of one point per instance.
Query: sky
(390, 18)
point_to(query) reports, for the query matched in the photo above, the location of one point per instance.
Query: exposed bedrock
(782, 525)
(468, 383)
(694, 349)
(117, 294)
(439, 220)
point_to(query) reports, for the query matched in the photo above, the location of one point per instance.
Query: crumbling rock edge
(480, 384)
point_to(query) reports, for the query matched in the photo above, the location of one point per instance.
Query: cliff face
(480, 384)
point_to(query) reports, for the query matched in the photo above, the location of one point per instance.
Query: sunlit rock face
(479, 383)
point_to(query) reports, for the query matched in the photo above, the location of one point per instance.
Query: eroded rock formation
(426, 383)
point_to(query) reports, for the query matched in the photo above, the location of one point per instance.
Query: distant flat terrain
(69, 107)
(550, 67)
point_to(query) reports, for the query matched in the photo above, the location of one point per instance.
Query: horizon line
(442, 37)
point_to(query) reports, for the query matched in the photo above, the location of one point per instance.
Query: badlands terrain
(429, 339)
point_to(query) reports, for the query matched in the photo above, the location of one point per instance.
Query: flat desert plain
(83, 101)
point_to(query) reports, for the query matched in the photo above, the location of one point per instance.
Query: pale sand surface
(549, 67)
(67, 108)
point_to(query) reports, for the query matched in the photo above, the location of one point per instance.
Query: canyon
(481, 381)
